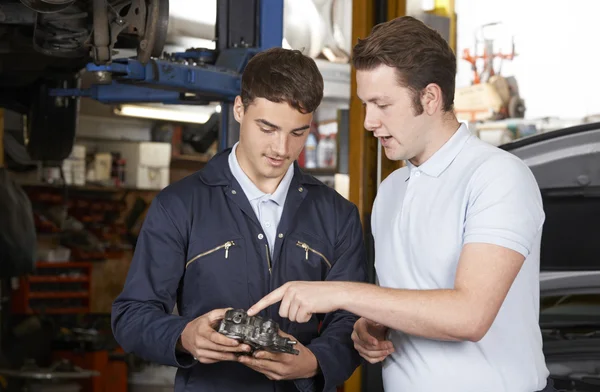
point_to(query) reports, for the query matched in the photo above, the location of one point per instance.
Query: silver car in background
(566, 164)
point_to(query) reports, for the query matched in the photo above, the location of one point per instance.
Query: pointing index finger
(268, 300)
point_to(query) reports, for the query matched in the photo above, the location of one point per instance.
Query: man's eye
(382, 106)
(297, 134)
(265, 130)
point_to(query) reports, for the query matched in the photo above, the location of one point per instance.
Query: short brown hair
(419, 53)
(283, 75)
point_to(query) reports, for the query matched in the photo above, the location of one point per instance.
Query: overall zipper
(308, 248)
(268, 258)
(270, 278)
(226, 245)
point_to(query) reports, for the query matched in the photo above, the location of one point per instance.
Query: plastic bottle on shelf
(327, 152)
(310, 155)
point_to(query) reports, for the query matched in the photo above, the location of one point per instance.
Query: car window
(576, 304)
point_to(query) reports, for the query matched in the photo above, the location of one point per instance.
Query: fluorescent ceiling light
(189, 114)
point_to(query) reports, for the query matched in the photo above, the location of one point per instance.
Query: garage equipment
(197, 76)
(60, 376)
(491, 96)
(45, 44)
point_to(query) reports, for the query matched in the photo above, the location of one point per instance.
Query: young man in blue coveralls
(226, 236)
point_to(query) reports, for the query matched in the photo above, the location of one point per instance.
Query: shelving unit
(80, 188)
(320, 171)
(202, 158)
(54, 288)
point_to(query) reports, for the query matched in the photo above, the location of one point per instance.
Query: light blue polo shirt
(468, 191)
(267, 207)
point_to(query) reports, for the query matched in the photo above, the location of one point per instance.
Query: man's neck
(266, 185)
(440, 134)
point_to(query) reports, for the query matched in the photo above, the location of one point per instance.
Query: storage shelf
(58, 294)
(61, 310)
(61, 264)
(84, 188)
(320, 171)
(54, 281)
(71, 187)
(191, 158)
(57, 279)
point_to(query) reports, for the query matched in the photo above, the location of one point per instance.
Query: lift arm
(196, 76)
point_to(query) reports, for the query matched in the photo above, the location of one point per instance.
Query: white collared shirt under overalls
(267, 207)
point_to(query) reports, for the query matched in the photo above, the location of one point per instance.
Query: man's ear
(238, 109)
(432, 98)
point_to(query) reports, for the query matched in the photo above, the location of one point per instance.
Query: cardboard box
(147, 163)
(478, 102)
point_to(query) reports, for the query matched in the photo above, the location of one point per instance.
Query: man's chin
(274, 172)
(394, 156)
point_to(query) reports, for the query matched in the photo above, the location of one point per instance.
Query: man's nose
(280, 147)
(371, 121)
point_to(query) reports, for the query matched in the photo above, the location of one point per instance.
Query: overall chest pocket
(215, 270)
(225, 246)
(307, 257)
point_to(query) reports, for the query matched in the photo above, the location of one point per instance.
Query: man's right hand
(369, 340)
(201, 340)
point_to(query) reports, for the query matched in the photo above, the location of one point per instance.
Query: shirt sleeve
(505, 206)
(141, 318)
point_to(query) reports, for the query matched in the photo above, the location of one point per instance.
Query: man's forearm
(433, 314)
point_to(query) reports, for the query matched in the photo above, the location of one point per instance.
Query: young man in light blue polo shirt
(457, 236)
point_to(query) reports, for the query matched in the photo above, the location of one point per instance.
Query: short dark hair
(283, 75)
(419, 53)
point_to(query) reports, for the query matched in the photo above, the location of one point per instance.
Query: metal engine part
(157, 24)
(138, 23)
(95, 28)
(257, 332)
(63, 33)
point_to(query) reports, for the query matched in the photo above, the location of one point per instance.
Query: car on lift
(44, 44)
(566, 164)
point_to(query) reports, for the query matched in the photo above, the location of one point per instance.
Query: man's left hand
(283, 366)
(300, 300)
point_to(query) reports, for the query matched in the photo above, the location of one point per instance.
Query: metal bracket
(180, 79)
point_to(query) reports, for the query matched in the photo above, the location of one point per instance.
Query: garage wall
(557, 42)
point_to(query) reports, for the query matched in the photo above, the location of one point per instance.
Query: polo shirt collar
(443, 157)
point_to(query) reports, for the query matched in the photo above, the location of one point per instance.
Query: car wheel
(51, 122)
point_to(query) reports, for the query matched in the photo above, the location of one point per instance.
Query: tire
(516, 107)
(52, 122)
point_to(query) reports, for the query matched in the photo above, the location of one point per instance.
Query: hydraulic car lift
(197, 76)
